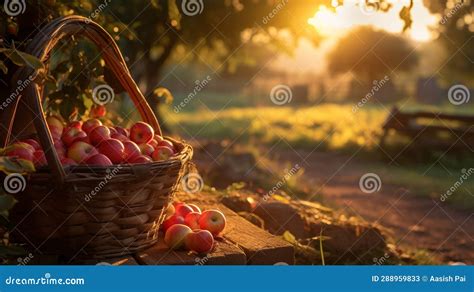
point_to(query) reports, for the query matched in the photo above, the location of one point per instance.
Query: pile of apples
(189, 228)
(93, 143)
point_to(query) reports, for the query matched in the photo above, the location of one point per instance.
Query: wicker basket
(86, 211)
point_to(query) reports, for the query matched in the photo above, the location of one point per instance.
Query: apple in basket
(99, 134)
(75, 124)
(33, 143)
(89, 125)
(131, 151)
(81, 151)
(200, 241)
(146, 149)
(213, 221)
(55, 124)
(175, 236)
(113, 149)
(162, 153)
(71, 135)
(39, 159)
(68, 162)
(141, 133)
(119, 137)
(98, 160)
(141, 159)
(21, 150)
(121, 131)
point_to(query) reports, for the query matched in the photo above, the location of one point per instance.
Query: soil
(415, 221)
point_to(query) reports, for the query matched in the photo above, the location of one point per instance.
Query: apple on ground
(113, 149)
(175, 236)
(98, 111)
(195, 208)
(21, 150)
(192, 220)
(141, 132)
(200, 241)
(146, 149)
(182, 209)
(71, 135)
(162, 153)
(99, 134)
(89, 125)
(141, 159)
(213, 221)
(39, 159)
(33, 143)
(131, 151)
(98, 159)
(173, 220)
(81, 151)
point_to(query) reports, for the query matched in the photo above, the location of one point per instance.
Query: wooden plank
(224, 253)
(261, 247)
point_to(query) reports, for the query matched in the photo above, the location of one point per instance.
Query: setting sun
(333, 23)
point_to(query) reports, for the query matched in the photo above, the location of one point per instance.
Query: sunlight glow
(330, 23)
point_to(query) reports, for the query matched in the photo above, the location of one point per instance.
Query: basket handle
(41, 47)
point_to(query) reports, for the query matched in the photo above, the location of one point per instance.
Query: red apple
(213, 221)
(169, 211)
(176, 235)
(141, 159)
(122, 131)
(195, 208)
(141, 133)
(21, 150)
(153, 143)
(173, 220)
(112, 131)
(182, 210)
(55, 124)
(99, 159)
(81, 151)
(158, 138)
(60, 149)
(119, 137)
(132, 151)
(89, 125)
(68, 162)
(166, 143)
(192, 220)
(162, 153)
(200, 241)
(113, 149)
(99, 134)
(33, 143)
(71, 135)
(75, 124)
(146, 149)
(39, 159)
(98, 111)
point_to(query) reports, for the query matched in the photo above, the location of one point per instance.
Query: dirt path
(415, 221)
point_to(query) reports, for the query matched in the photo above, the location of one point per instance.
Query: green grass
(333, 127)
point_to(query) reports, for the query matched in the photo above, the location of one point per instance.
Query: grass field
(331, 127)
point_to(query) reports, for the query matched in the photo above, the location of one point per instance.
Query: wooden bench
(242, 243)
(437, 128)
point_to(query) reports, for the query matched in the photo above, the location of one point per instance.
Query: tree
(371, 54)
